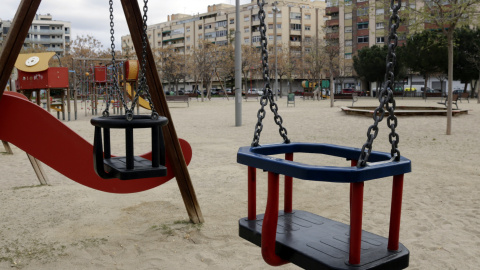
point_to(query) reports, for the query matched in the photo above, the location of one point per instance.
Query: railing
(46, 32)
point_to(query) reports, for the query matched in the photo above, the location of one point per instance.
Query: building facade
(297, 23)
(52, 35)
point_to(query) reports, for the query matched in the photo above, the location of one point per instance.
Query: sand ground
(68, 226)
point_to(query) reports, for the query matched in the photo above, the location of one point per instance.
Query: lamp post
(275, 10)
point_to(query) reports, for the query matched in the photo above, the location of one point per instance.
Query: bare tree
(446, 15)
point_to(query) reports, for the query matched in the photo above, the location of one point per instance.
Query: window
(188, 38)
(380, 25)
(348, 16)
(362, 11)
(247, 30)
(221, 33)
(208, 26)
(200, 26)
(279, 26)
(270, 15)
(232, 21)
(348, 2)
(188, 47)
(348, 42)
(44, 28)
(221, 24)
(308, 50)
(348, 56)
(255, 18)
(247, 41)
(295, 26)
(270, 26)
(188, 29)
(308, 39)
(295, 15)
(308, 16)
(380, 39)
(279, 38)
(270, 37)
(210, 35)
(359, 1)
(255, 39)
(246, 19)
(362, 39)
(380, 11)
(362, 26)
(200, 36)
(307, 27)
(348, 29)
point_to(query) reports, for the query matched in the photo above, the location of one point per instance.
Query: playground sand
(68, 226)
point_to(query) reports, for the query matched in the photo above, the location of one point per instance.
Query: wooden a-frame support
(14, 42)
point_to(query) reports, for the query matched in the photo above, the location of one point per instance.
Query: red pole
(288, 188)
(252, 193)
(356, 223)
(270, 220)
(353, 164)
(395, 212)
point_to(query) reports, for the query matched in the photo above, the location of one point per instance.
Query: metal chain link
(386, 95)
(114, 86)
(143, 85)
(267, 93)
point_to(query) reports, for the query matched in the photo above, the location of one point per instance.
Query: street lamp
(275, 10)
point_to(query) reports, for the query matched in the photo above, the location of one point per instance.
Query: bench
(178, 99)
(192, 95)
(464, 96)
(454, 101)
(308, 95)
(247, 96)
(353, 97)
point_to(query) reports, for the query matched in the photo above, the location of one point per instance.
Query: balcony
(58, 32)
(55, 49)
(333, 35)
(330, 10)
(333, 22)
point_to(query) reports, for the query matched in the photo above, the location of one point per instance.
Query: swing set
(169, 157)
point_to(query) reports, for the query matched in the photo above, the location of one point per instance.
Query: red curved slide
(40, 134)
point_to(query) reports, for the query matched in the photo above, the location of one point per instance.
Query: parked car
(181, 92)
(213, 91)
(252, 91)
(229, 90)
(347, 90)
(260, 92)
(408, 89)
(458, 91)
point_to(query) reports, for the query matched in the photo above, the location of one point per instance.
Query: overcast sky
(91, 17)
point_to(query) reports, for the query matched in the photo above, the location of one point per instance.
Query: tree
(171, 65)
(87, 47)
(447, 15)
(369, 64)
(204, 63)
(467, 56)
(423, 54)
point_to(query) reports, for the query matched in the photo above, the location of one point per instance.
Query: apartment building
(297, 23)
(44, 32)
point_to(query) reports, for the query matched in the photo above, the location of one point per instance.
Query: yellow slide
(141, 101)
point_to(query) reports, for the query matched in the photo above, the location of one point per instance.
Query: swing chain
(143, 86)
(114, 86)
(268, 93)
(386, 96)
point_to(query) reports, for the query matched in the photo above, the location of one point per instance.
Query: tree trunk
(450, 80)
(332, 90)
(478, 88)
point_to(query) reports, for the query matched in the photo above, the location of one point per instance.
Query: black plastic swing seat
(314, 242)
(129, 166)
(117, 168)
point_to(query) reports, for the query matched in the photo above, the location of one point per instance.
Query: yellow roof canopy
(33, 62)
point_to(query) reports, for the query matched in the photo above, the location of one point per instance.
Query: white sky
(92, 17)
